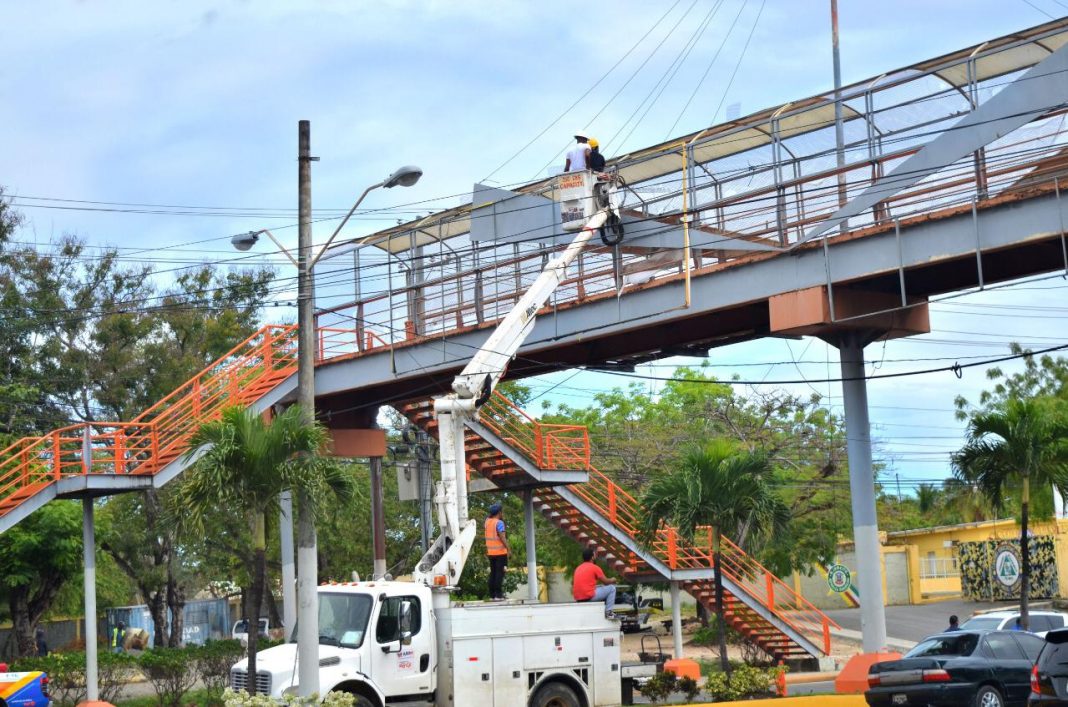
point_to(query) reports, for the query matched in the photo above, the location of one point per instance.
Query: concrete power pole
(307, 561)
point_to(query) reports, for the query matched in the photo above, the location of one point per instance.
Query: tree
(720, 486)
(635, 434)
(39, 556)
(1020, 442)
(248, 462)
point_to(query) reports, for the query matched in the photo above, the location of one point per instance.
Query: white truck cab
(385, 641)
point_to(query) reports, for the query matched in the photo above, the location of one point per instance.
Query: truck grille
(239, 681)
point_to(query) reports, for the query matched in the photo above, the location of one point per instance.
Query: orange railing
(568, 447)
(159, 434)
(548, 446)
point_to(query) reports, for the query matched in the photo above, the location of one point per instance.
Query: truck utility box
(502, 655)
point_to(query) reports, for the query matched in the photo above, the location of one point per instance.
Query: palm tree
(248, 462)
(1019, 442)
(720, 486)
(927, 497)
(964, 501)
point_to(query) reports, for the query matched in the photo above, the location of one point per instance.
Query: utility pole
(307, 561)
(378, 519)
(426, 495)
(839, 134)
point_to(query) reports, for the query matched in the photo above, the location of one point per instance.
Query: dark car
(1049, 678)
(972, 668)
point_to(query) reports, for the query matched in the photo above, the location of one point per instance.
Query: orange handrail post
(770, 584)
(56, 462)
(612, 503)
(120, 451)
(672, 549)
(319, 354)
(826, 636)
(155, 444)
(196, 397)
(268, 348)
(538, 451)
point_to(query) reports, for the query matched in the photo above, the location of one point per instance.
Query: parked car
(966, 667)
(240, 631)
(1005, 620)
(23, 689)
(1049, 677)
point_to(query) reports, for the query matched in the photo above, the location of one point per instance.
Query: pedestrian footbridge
(949, 178)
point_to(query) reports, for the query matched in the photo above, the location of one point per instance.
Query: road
(914, 623)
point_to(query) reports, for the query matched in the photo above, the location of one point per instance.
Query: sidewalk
(898, 644)
(811, 701)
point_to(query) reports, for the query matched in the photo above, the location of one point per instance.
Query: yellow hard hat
(593, 142)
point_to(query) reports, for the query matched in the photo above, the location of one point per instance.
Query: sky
(163, 128)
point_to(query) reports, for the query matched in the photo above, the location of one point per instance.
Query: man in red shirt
(587, 577)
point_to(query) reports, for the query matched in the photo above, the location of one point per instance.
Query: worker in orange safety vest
(497, 551)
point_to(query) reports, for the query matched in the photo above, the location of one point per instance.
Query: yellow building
(926, 564)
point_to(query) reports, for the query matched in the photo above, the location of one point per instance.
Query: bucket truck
(393, 641)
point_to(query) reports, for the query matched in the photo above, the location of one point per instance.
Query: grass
(199, 698)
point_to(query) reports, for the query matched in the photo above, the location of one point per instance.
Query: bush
(688, 687)
(213, 662)
(66, 674)
(243, 699)
(709, 635)
(658, 687)
(172, 672)
(745, 681)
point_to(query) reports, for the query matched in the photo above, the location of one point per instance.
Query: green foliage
(38, 556)
(744, 682)
(658, 687)
(332, 699)
(715, 485)
(66, 673)
(688, 687)
(635, 435)
(709, 635)
(213, 662)
(171, 671)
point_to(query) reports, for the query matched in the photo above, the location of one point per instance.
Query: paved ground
(914, 623)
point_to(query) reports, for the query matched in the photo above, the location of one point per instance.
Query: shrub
(243, 699)
(66, 675)
(688, 687)
(744, 682)
(658, 687)
(213, 662)
(172, 672)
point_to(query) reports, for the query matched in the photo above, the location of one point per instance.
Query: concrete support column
(862, 493)
(92, 692)
(289, 567)
(676, 619)
(532, 555)
(378, 521)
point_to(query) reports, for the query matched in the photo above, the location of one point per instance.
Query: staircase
(108, 455)
(506, 445)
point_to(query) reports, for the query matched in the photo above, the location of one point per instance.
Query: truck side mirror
(406, 623)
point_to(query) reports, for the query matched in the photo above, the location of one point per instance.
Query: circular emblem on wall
(1007, 565)
(838, 578)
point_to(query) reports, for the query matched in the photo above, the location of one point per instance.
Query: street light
(307, 561)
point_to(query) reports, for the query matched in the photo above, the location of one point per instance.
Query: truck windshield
(342, 619)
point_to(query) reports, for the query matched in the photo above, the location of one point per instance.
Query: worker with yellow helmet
(595, 160)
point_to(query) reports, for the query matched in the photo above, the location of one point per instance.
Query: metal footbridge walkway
(952, 180)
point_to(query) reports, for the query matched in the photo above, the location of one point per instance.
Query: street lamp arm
(280, 246)
(341, 225)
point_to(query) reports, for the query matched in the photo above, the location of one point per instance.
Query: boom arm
(445, 560)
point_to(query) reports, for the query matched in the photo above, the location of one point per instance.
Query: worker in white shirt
(576, 157)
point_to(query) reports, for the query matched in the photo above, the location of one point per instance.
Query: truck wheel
(555, 694)
(362, 701)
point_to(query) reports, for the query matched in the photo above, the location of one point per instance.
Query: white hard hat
(582, 134)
